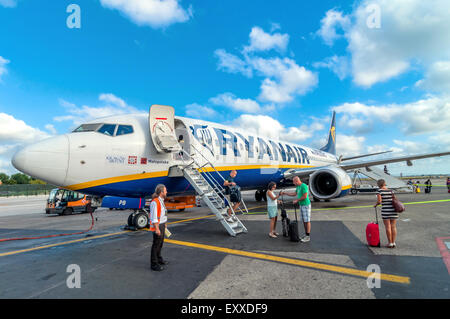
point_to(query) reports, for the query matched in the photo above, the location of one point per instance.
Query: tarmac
(205, 262)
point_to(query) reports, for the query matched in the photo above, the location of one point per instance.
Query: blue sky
(276, 67)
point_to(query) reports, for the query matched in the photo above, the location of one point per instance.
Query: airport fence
(25, 190)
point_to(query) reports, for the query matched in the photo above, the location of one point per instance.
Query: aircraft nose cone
(47, 160)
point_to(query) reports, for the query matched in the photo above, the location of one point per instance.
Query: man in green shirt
(301, 192)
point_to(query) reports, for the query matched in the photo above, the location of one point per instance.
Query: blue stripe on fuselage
(246, 179)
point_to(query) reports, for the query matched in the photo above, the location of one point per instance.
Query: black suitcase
(284, 220)
(293, 228)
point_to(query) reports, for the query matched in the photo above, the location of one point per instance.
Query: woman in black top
(388, 213)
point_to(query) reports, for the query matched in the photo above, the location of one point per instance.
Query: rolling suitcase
(373, 233)
(293, 228)
(285, 221)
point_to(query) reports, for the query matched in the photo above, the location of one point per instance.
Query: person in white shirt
(158, 219)
(272, 208)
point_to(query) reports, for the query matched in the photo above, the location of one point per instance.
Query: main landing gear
(138, 220)
(261, 195)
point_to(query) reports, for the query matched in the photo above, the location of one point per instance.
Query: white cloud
(3, 63)
(430, 115)
(348, 145)
(437, 77)
(284, 79)
(153, 13)
(232, 64)
(262, 41)
(332, 20)
(269, 127)
(8, 3)
(15, 134)
(412, 33)
(199, 111)
(51, 129)
(114, 106)
(242, 105)
(112, 99)
(340, 65)
(13, 130)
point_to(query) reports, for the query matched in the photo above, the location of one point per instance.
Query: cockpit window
(107, 129)
(87, 127)
(124, 129)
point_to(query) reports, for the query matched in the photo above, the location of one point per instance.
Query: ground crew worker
(158, 219)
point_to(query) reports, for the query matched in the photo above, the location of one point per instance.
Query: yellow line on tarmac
(353, 207)
(87, 238)
(62, 243)
(297, 262)
(176, 222)
(410, 203)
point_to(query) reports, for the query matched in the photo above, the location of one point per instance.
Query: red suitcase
(373, 233)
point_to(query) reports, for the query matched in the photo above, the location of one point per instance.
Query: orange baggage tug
(65, 202)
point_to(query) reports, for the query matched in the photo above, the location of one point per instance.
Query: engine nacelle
(330, 182)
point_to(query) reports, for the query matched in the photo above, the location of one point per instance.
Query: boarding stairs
(212, 192)
(391, 182)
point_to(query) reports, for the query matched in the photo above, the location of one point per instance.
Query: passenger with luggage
(272, 208)
(234, 191)
(158, 219)
(388, 213)
(428, 186)
(448, 184)
(305, 206)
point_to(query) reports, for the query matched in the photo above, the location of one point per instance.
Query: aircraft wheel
(316, 199)
(258, 196)
(140, 220)
(264, 195)
(130, 220)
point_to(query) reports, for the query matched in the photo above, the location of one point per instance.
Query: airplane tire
(130, 220)
(258, 196)
(140, 220)
(264, 195)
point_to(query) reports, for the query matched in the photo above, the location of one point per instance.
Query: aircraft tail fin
(331, 144)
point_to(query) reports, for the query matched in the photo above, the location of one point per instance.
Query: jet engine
(329, 182)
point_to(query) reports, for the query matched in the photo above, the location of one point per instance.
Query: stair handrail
(207, 173)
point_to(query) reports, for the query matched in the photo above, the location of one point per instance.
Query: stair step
(210, 194)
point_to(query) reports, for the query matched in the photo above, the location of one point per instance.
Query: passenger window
(124, 129)
(107, 129)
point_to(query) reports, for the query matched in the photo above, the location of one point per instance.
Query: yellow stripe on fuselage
(127, 178)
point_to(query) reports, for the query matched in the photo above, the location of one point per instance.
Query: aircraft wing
(301, 172)
(406, 159)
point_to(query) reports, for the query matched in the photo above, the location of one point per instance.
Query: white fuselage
(129, 165)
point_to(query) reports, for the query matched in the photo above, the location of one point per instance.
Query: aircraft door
(162, 129)
(183, 139)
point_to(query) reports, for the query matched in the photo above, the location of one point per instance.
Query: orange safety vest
(158, 213)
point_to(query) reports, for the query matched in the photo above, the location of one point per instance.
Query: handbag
(398, 205)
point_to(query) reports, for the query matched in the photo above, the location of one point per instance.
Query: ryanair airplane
(128, 155)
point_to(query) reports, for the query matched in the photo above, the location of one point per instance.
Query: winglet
(331, 145)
